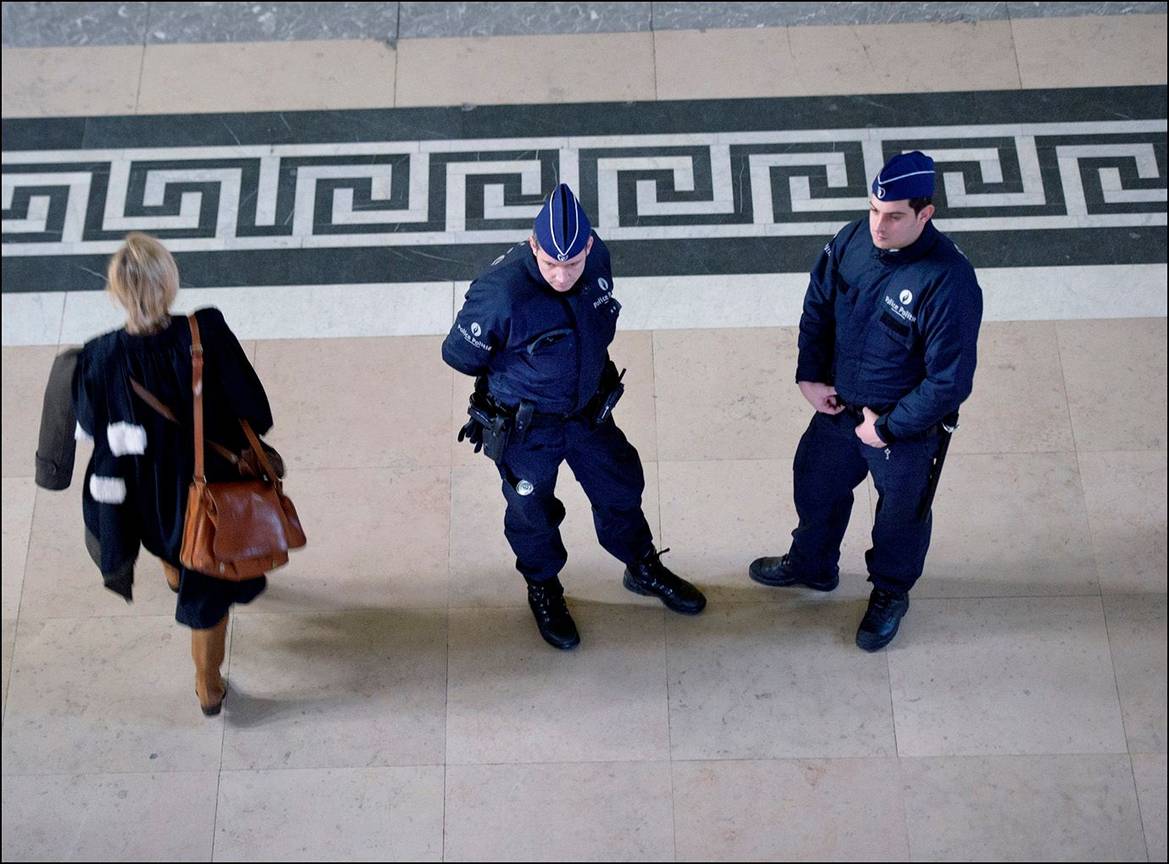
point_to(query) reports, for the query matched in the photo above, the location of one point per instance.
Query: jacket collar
(919, 248)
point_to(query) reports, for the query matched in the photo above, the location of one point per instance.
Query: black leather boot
(650, 577)
(883, 617)
(551, 613)
(778, 573)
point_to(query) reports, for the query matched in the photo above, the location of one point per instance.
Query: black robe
(135, 490)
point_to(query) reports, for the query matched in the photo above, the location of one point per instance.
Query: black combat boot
(651, 578)
(551, 613)
(879, 626)
(778, 573)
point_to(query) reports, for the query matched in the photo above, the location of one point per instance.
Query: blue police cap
(562, 228)
(906, 175)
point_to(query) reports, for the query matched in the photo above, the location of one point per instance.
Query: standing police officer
(535, 329)
(887, 351)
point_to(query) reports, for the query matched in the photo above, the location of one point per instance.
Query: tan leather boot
(172, 576)
(208, 648)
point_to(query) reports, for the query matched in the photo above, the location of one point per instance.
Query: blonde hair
(144, 278)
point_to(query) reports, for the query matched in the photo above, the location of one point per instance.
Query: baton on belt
(948, 426)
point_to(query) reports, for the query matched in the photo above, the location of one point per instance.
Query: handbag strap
(197, 390)
(155, 403)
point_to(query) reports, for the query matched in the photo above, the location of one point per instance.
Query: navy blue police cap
(906, 175)
(562, 229)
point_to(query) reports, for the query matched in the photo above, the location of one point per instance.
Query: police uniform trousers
(830, 462)
(609, 470)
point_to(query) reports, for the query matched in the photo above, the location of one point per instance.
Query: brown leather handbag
(239, 529)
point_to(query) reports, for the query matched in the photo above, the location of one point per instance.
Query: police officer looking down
(535, 329)
(887, 350)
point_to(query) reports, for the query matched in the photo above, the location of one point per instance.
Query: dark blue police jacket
(534, 343)
(894, 331)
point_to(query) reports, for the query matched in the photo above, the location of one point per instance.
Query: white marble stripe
(286, 312)
(576, 142)
(655, 303)
(31, 319)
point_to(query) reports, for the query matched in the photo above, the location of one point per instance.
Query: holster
(609, 397)
(496, 430)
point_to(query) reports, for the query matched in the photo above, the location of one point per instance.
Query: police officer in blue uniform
(534, 329)
(887, 350)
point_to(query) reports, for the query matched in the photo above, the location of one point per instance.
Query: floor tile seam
(1140, 810)
(668, 762)
(798, 600)
(551, 763)
(669, 722)
(141, 63)
(256, 613)
(1124, 721)
(222, 739)
(787, 456)
(354, 768)
(397, 54)
(115, 773)
(1014, 48)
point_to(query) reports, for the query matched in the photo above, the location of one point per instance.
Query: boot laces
(883, 600)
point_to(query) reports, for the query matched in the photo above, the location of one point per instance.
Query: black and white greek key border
(1086, 189)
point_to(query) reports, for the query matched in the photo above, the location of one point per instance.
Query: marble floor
(390, 698)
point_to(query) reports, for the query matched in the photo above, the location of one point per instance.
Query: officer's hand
(822, 397)
(473, 432)
(867, 431)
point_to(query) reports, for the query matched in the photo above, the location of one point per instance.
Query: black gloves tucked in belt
(480, 407)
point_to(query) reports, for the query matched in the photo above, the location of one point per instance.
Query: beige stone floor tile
(513, 698)
(1115, 376)
(728, 394)
(26, 371)
(19, 493)
(337, 690)
(513, 70)
(1004, 676)
(382, 814)
(692, 64)
(482, 565)
(377, 539)
(717, 517)
(358, 403)
(6, 646)
(1011, 524)
(1125, 496)
(635, 413)
(1136, 637)
(788, 810)
(1092, 51)
(1018, 404)
(75, 81)
(607, 811)
(105, 695)
(764, 681)
(856, 59)
(267, 76)
(110, 817)
(1149, 771)
(61, 580)
(1022, 808)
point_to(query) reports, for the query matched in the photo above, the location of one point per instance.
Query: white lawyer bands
(107, 490)
(126, 439)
